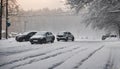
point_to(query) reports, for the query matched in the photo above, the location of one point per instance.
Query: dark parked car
(107, 36)
(65, 36)
(42, 37)
(25, 36)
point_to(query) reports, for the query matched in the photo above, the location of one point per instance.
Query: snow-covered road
(60, 55)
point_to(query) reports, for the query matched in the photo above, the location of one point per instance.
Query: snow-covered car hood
(20, 36)
(37, 36)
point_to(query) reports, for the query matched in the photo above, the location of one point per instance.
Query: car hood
(37, 36)
(20, 35)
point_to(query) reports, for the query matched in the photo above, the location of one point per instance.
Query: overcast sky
(39, 4)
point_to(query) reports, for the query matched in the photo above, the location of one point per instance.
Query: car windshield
(61, 33)
(41, 33)
(25, 33)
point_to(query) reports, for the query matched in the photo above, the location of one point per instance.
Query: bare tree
(13, 7)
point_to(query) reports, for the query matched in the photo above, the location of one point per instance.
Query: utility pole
(6, 19)
(1, 6)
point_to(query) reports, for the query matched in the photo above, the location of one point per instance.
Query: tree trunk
(1, 19)
(119, 32)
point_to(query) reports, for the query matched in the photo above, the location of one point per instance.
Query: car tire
(44, 41)
(52, 41)
(32, 42)
(66, 39)
(20, 40)
(40, 43)
(72, 39)
(58, 40)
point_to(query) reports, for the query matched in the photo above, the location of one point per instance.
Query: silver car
(65, 36)
(42, 37)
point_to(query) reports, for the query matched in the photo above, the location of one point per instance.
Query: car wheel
(16, 38)
(40, 43)
(20, 40)
(58, 40)
(32, 42)
(66, 39)
(52, 41)
(103, 38)
(72, 39)
(44, 41)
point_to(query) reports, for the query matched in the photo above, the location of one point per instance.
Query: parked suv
(42, 37)
(65, 36)
(25, 36)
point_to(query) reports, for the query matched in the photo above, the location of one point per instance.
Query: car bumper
(36, 40)
(61, 38)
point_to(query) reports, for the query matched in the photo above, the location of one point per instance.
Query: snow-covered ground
(60, 55)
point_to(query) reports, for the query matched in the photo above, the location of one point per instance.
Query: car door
(69, 36)
(48, 37)
(51, 36)
(29, 35)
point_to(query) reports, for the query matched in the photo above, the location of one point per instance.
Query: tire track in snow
(83, 60)
(110, 62)
(75, 61)
(12, 53)
(57, 60)
(57, 64)
(32, 56)
(13, 50)
(59, 53)
(48, 56)
(97, 61)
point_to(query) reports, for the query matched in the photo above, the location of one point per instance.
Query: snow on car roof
(41, 32)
